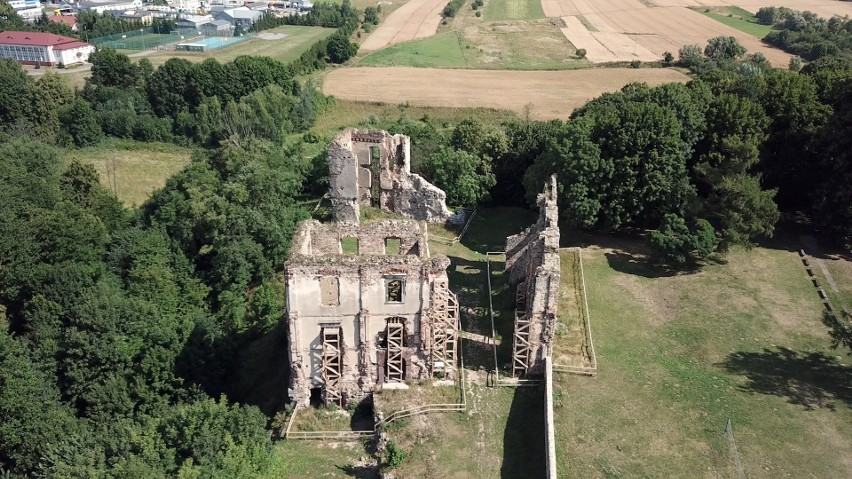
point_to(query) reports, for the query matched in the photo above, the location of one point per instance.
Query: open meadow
(679, 355)
(547, 94)
(130, 169)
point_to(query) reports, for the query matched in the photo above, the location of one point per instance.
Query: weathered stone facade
(532, 261)
(366, 305)
(372, 167)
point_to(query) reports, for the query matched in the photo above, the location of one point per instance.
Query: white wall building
(43, 48)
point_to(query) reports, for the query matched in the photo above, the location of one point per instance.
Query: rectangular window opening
(329, 291)
(393, 246)
(375, 154)
(349, 245)
(394, 290)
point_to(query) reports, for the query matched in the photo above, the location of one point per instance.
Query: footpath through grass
(680, 355)
(132, 169)
(736, 17)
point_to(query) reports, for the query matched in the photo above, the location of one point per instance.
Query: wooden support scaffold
(444, 315)
(521, 336)
(395, 337)
(332, 365)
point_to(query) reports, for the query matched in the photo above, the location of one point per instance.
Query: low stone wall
(549, 430)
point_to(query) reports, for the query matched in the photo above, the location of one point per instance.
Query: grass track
(742, 20)
(513, 10)
(440, 51)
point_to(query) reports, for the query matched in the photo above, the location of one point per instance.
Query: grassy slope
(513, 10)
(139, 168)
(680, 355)
(741, 19)
(441, 51)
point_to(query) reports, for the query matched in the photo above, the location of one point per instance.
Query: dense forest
(122, 327)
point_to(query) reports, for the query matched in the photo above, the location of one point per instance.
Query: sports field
(284, 43)
(549, 94)
(135, 41)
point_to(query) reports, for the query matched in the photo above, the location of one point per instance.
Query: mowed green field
(513, 10)
(735, 17)
(440, 51)
(297, 40)
(680, 355)
(131, 169)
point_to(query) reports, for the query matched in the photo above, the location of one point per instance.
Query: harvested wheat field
(550, 94)
(626, 30)
(415, 19)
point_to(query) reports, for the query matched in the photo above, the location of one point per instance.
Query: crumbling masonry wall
(532, 261)
(348, 294)
(372, 167)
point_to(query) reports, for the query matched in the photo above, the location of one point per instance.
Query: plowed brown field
(550, 94)
(625, 30)
(415, 19)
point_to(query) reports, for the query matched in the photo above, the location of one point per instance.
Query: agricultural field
(626, 30)
(680, 354)
(415, 19)
(496, 10)
(131, 169)
(545, 94)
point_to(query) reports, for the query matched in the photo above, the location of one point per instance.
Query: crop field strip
(415, 19)
(549, 94)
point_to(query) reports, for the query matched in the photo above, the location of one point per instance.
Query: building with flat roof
(29, 10)
(101, 6)
(43, 48)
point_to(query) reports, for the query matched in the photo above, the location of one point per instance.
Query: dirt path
(415, 19)
(550, 94)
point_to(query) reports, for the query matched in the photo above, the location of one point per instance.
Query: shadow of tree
(812, 380)
(361, 472)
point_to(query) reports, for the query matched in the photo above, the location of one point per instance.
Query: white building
(43, 48)
(101, 6)
(29, 10)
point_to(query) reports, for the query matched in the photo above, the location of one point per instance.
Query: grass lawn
(137, 168)
(298, 39)
(680, 355)
(513, 10)
(441, 51)
(736, 17)
(333, 460)
(502, 45)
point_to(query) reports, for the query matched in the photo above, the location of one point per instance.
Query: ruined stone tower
(532, 261)
(372, 167)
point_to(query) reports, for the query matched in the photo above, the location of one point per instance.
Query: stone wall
(361, 308)
(532, 261)
(373, 167)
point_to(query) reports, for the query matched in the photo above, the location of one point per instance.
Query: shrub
(395, 455)
(668, 58)
(635, 64)
(478, 14)
(581, 53)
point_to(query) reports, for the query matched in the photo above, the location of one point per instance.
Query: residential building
(69, 20)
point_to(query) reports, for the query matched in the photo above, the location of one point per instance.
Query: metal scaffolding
(444, 316)
(395, 336)
(332, 365)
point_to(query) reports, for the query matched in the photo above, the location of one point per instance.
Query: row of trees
(706, 165)
(806, 34)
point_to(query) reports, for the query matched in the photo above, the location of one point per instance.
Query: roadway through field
(549, 94)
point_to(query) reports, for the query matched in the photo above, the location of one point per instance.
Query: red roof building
(43, 48)
(69, 20)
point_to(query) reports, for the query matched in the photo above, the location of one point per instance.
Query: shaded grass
(440, 51)
(679, 355)
(513, 10)
(138, 168)
(740, 19)
(309, 459)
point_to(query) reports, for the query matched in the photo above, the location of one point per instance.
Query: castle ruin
(373, 168)
(532, 261)
(366, 306)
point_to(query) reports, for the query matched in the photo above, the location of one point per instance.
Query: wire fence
(147, 38)
(732, 447)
